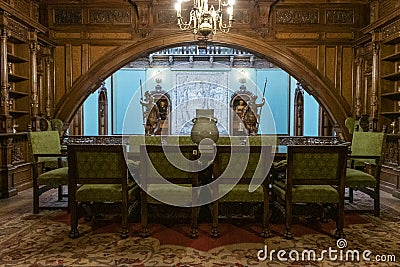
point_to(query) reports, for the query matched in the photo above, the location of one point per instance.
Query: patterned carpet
(42, 240)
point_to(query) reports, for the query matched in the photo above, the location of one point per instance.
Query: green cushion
(356, 178)
(240, 193)
(54, 177)
(308, 193)
(104, 192)
(176, 194)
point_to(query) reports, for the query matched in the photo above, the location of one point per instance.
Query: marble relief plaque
(199, 90)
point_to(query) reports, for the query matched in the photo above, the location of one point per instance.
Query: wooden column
(33, 48)
(375, 82)
(48, 82)
(6, 119)
(359, 80)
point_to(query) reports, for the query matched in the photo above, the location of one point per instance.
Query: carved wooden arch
(312, 80)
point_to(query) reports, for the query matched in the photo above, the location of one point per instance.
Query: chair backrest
(367, 143)
(316, 165)
(97, 164)
(244, 162)
(57, 125)
(47, 142)
(159, 161)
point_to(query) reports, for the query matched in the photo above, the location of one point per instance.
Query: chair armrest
(58, 156)
(345, 144)
(377, 158)
(50, 155)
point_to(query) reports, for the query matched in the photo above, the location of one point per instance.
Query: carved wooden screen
(103, 111)
(299, 111)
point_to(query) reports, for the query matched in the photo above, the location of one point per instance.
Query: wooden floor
(22, 203)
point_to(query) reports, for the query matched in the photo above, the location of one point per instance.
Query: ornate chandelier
(205, 19)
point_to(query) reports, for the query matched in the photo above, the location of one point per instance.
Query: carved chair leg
(377, 204)
(194, 231)
(351, 194)
(214, 231)
(74, 221)
(60, 193)
(340, 220)
(288, 221)
(266, 232)
(124, 214)
(144, 232)
(35, 197)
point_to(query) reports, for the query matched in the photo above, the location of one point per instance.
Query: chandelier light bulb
(205, 18)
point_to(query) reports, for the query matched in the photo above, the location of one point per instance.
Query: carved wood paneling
(67, 16)
(242, 16)
(17, 29)
(340, 16)
(110, 16)
(391, 151)
(23, 6)
(296, 16)
(166, 16)
(387, 6)
(390, 30)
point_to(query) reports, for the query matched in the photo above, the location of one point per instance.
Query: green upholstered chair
(99, 173)
(315, 174)
(48, 170)
(243, 163)
(366, 149)
(155, 169)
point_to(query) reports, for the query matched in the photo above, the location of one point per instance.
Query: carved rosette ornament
(144, 16)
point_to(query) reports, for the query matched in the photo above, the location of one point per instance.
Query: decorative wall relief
(144, 12)
(340, 16)
(242, 16)
(296, 16)
(23, 6)
(17, 29)
(199, 90)
(261, 14)
(166, 16)
(110, 16)
(67, 16)
(391, 29)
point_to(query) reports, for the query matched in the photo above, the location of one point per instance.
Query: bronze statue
(163, 109)
(251, 118)
(151, 115)
(239, 109)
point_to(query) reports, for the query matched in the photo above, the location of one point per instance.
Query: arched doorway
(313, 81)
